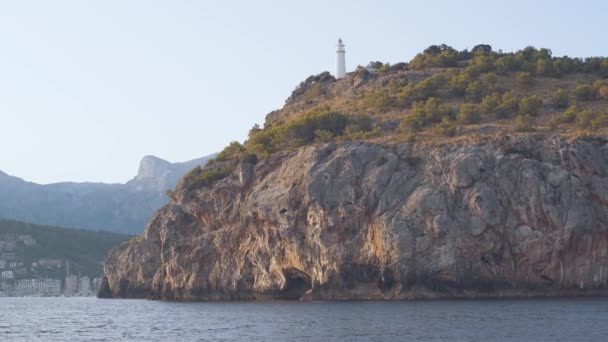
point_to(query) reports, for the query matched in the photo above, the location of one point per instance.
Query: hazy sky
(89, 87)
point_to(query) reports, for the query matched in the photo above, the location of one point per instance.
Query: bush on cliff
(204, 176)
(317, 125)
(584, 92)
(424, 113)
(561, 99)
(233, 151)
(468, 114)
(530, 105)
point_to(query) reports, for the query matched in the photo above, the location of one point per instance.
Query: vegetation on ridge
(441, 93)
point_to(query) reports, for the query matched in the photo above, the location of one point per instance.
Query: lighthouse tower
(341, 60)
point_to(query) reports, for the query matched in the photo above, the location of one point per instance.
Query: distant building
(341, 60)
(6, 286)
(50, 287)
(38, 287)
(7, 275)
(85, 286)
(71, 285)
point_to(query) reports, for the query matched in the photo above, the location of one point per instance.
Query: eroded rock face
(517, 217)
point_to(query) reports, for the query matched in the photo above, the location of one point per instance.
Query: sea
(92, 319)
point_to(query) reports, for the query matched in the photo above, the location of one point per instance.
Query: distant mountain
(124, 208)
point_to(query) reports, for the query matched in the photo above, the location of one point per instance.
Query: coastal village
(21, 275)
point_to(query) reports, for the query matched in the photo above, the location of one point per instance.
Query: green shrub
(459, 83)
(360, 123)
(317, 125)
(598, 84)
(569, 115)
(396, 84)
(425, 112)
(600, 120)
(602, 92)
(204, 176)
(266, 142)
(377, 99)
(529, 60)
(231, 152)
(352, 133)
(323, 136)
(313, 92)
(399, 66)
(585, 118)
(474, 91)
(481, 63)
(302, 129)
(489, 103)
(524, 79)
(362, 71)
(508, 105)
(385, 68)
(468, 114)
(360, 127)
(561, 98)
(584, 92)
(435, 111)
(421, 91)
(254, 130)
(530, 105)
(544, 67)
(446, 128)
(435, 56)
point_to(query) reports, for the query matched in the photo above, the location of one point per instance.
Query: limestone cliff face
(516, 216)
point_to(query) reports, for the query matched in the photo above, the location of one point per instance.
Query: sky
(87, 88)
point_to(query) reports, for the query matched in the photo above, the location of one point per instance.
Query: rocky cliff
(515, 215)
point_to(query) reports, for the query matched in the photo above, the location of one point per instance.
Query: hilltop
(443, 93)
(461, 174)
(442, 96)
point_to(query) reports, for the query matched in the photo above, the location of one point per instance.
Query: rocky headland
(459, 175)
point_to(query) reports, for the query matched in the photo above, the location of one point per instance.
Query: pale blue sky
(89, 87)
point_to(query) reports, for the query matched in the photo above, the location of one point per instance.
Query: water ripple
(90, 319)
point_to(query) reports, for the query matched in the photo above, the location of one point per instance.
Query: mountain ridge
(117, 207)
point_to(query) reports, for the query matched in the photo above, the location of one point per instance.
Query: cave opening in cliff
(297, 283)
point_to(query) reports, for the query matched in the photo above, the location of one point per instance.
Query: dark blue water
(90, 319)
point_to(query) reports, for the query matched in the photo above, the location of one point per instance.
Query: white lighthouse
(341, 60)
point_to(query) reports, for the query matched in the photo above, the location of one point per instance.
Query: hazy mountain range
(124, 208)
